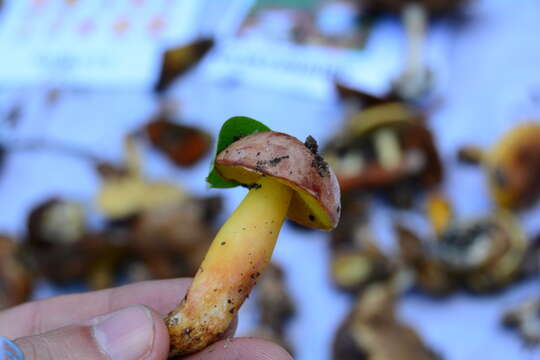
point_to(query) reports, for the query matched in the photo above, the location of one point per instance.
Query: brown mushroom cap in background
(514, 167)
(372, 331)
(316, 200)
(407, 123)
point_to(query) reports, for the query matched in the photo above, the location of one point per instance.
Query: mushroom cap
(386, 114)
(513, 165)
(489, 249)
(420, 156)
(316, 199)
(354, 271)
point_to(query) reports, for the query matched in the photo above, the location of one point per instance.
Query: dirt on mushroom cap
(316, 199)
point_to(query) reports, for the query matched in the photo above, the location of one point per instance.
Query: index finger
(44, 315)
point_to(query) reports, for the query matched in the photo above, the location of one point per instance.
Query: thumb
(131, 333)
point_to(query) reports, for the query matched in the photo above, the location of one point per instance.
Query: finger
(56, 312)
(131, 333)
(242, 349)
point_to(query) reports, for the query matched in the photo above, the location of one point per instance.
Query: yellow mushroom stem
(236, 258)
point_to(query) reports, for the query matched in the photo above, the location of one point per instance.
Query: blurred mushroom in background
(484, 254)
(172, 239)
(525, 320)
(65, 249)
(125, 192)
(56, 234)
(512, 166)
(430, 275)
(275, 307)
(16, 281)
(357, 262)
(353, 272)
(169, 230)
(415, 78)
(384, 147)
(372, 331)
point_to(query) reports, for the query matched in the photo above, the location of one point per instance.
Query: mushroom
(362, 264)
(512, 166)
(357, 261)
(525, 319)
(430, 275)
(372, 331)
(125, 192)
(415, 78)
(15, 280)
(353, 272)
(57, 233)
(385, 147)
(285, 178)
(169, 229)
(172, 239)
(485, 254)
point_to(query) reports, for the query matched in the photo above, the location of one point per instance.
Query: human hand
(122, 323)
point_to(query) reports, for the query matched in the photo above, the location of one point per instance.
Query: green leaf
(232, 129)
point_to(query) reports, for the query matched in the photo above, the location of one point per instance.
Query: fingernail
(127, 334)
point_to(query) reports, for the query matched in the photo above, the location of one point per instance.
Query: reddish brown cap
(316, 200)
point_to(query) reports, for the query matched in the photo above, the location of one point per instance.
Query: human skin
(64, 327)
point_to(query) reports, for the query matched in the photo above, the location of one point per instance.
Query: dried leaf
(177, 61)
(183, 145)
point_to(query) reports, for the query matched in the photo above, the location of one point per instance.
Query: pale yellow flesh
(236, 258)
(388, 148)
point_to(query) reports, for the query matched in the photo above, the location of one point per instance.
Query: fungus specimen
(285, 178)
